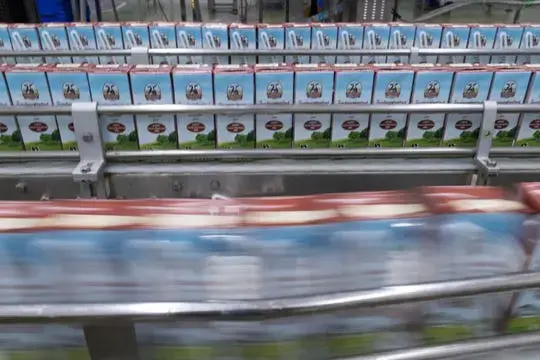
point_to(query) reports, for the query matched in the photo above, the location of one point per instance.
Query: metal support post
(113, 341)
(414, 57)
(89, 171)
(139, 56)
(487, 168)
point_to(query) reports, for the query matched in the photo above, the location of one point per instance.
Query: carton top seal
(313, 67)
(260, 68)
(29, 68)
(455, 26)
(215, 25)
(162, 69)
(68, 68)
(134, 24)
(233, 68)
(188, 24)
(270, 26)
(162, 23)
(391, 68)
(80, 24)
(424, 25)
(341, 24)
(351, 67)
(509, 26)
(377, 24)
(241, 26)
(507, 68)
(53, 25)
(107, 24)
(190, 68)
(323, 25)
(485, 26)
(110, 68)
(470, 199)
(21, 216)
(296, 25)
(530, 194)
(23, 26)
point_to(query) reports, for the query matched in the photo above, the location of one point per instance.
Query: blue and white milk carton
(25, 37)
(454, 36)
(109, 85)
(428, 36)
(314, 84)
(402, 36)
(135, 34)
(151, 84)
(193, 85)
(10, 135)
(393, 85)
(68, 84)
(234, 85)
(82, 37)
(432, 85)
(215, 37)
(163, 36)
(109, 37)
(478, 233)
(376, 37)
(508, 37)
(530, 40)
(471, 86)
(189, 36)
(5, 44)
(28, 86)
(243, 37)
(54, 38)
(481, 37)
(529, 130)
(274, 84)
(510, 85)
(350, 37)
(323, 37)
(297, 36)
(270, 37)
(353, 85)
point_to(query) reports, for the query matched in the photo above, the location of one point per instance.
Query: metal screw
(86, 168)
(21, 187)
(88, 137)
(487, 133)
(491, 163)
(215, 185)
(177, 186)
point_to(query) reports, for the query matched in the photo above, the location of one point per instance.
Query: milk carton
(393, 85)
(28, 86)
(82, 37)
(479, 232)
(163, 36)
(471, 86)
(353, 85)
(189, 36)
(376, 37)
(135, 34)
(193, 85)
(274, 85)
(432, 85)
(509, 86)
(481, 37)
(243, 37)
(10, 135)
(297, 36)
(270, 37)
(109, 85)
(234, 85)
(324, 37)
(428, 36)
(215, 37)
(402, 36)
(508, 37)
(68, 84)
(54, 38)
(529, 40)
(454, 36)
(5, 44)
(151, 84)
(109, 37)
(350, 37)
(314, 84)
(529, 130)
(25, 37)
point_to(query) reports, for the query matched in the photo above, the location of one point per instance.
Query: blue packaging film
(163, 36)
(324, 37)
(508, 37)
(271, 36)
(529, 40)
(481, 37)
(54, 38)
(82, 37)
(5, 44)
(428, 36)
(215, 36)
(243, 37)
(189, 36)
(135, 34)
(25, 37)
(297, 36)
(350, 37)
(109, 37)
(402, 36)
(376, 37)
(454, 37)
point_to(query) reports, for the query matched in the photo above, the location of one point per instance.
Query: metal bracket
(91, 151)
(487, 167)
(139, 56)
(414, 56)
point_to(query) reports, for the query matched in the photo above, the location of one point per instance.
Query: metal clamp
(91, 151)
(414, 56)
(487, 167)
(139, 56)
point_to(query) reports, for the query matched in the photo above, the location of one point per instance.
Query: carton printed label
(29, 88)
(243, 39)
(110, 88)
(510, 87)
(387, 130)
(314, 87)
(25, 39)
(39, 133)
(217, 38)
(67, 132)
(5, 45)
(193, 88)
(350, 38)
(507, 38)
(297, 38)
(432, 87)
(196, 132)
(163, 37)
(234, 88)
(454, 38)
(119, 133)
(324, 38)
(235, 132)
(54, 39)
(136, 36)
(425, 130)
(10, 135)
(110, 38)
(505, 129)
(270, 39)
(274, 88)
(189, 37)
(428, 37)
(393, 87)
(529, 131)
(350, 131)
(530, 40)
(274, 131)
(401, 37)
(462, 130)
(82, 38)
(376, 38)
(312, 131)
(481, 38)
(471, 87)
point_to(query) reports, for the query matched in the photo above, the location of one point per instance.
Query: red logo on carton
(350, 125)
(71, 127)
(501, 124)
(426, 124)
(3, 128)
(235, 127)
(38, 127)
(156, 128)
(388, 124)
(274, 125)
(312, 125)
(535, 124)
(116, 128)
(463, 124)
(195, 127)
